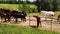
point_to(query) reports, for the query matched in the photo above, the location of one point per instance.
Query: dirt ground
(45, 25)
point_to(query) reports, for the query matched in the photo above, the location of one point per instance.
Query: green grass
(14, 6)
(14, 29)
(9, 6)
(56, 14)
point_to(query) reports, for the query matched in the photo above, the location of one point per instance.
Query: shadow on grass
(33, 26)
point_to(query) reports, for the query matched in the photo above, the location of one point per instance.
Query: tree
(38, 4)
(55, 5)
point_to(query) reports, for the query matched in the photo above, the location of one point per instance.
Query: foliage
(19, 7)
(48, 5)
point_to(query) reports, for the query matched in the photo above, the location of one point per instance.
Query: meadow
(18, 7)
(15, 29)
(9, 6)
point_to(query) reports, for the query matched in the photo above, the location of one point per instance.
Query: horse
(58, 18)
(5, 13)
(2, 14)
(8, 15)
(17, 15)
(48, 13)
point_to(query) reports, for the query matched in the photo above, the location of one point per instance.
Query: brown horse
(58, 17)
(4, 14)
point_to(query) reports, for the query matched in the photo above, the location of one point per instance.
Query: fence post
(51, 24)
(29, 20)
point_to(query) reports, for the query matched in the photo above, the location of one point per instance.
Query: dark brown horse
(58, 17)
(5, 14)
(17, 15)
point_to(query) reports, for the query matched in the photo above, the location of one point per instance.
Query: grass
(56, 14)
(9, 6)
(14, 6)
(14, 29)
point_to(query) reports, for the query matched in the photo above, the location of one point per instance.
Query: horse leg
(9, 19)
(21, 19)
(58, 20)
(40, 24)
(16, 20)
(1, 19)
(5, 19)
(24, 19)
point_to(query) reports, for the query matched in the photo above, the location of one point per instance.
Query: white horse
(48, 13)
